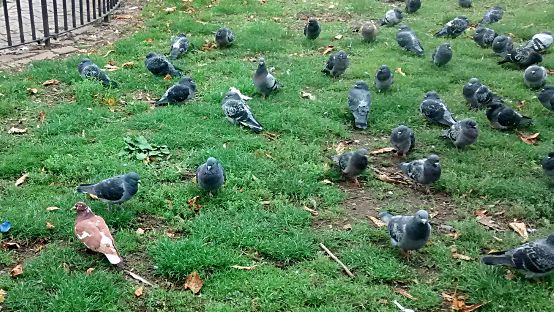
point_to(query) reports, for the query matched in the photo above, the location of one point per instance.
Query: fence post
(45, 25)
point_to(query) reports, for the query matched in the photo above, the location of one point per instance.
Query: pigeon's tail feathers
(162, 101)
(441, 33)
(526, 121)
(177, 72)
(85, 188)
(503, 61)
(385, 217)
(496, 260)
(383, 22)
(418, 50)
(252, 124)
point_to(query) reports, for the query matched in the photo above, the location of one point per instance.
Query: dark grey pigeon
(88, 70)
(392, 17)
(442, 54)
(402, 139)
(493, 15)
(384, 78)
(483, 97)
(160, 66)
(408, 232)
(179, 46)
(264, 81)
(502, 45)
(548, 164)
(359, 102)
(464, 3)
(238, 112)
(484, 36)
(336, 64)
(523, 57)
(423, 171)
(369, 31)
(504, 118)
(352, 164)
(469, 91)
(413, 5)
(534, 259)
(540, 42)
(115, 190)
(534, 76)
(312, 29)
(408, 40)
(454, 28)
(462, 133)
(435, 110)
(210, 176)
(224, 38)
(546, 97)
(181, 91)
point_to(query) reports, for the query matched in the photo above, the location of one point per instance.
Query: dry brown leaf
(459, 256)
(458, 303)
(49, 225)
(391, 179)
(89, 271)
(17, 270)
(529, 138)
(307, 95)
(247, 268)
(15, 130)
(168, 77)
(486, 220)
(271, 136)
(41, 117)
(52, 208)
(347, 227)
(193, 203)
(170, 9)
(404, 293)
(209, 45)
(520, 104)
(51, 82)
(139, 291)
(327, 49)
(312, 211)
(521, 229)
(194, 282)
(128, 64)
(32, 91)
(3, 294)
(377, 222)
(326, 181)
(338, 37)
(21, 179)
(399, 71)
(170, 233)
(148, 40)
(109, 67)
(453, 234)
(509, 275)
(10, 245)
(383, 150)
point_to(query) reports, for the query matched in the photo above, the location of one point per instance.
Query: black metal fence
(27, 21)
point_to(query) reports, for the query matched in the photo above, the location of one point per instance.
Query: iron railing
(28, 21)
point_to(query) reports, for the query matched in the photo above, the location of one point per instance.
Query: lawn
(258, 218)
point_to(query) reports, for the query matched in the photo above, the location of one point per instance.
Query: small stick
(336, 259)
(139, 278)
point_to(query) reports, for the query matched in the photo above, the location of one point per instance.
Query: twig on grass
(336, 259)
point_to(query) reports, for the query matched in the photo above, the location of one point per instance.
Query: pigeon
(115, 190)
(442, 54)
(534, 76)
(179, 92)
(93, 232)
(224, 37)
(352, 164)
(412, 5)
(501, 45)
(359, 102)
(336, 65)
(454, 28)
(160, 66)
(469, 91)
(464, 3)
(523, 57)
(384, 78)
(89, 70)
(546, 97)
(392, 17)
(504, 118)
(264, 81)
(237, 111)
(408, 232)
(434, 109)
(534, 259)
(484, 37)
(402, 139)
(312, 29)
(483, 97)
(493, 15)
(179, 46)
(540, 42)
(462, 133)
(548, 164)
(423, 171)
(407, 40)
(369, 31)
(210, 176)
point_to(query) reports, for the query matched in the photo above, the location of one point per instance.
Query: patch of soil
(24, 249)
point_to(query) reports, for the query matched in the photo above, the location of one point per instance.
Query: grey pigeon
(210, 176)
(352, 164)
(534, 259)
(462, 133)
(402, 139)
(408, 232)
(502, 45)
(546, 97)
(464, 3)
(312, 29)
(336, 64)
(534, 76)
(115, 190)
(523, 57)
(435, 110)
(359, 102)
(484, 36)
(469, 90)
(160, 66)
(423, 171)
(548, 164)
(504, 118)
(413, 5)
(179, 46)
(369, 31)
(384, 78)
(238, 112)
(454, 28)
(540, 42)
(483, 97)
(88, 70)
(179, 92)
(264, 81)
(224, 37)
(408, 40)
(442, 54)
(493, 15)
(392, 17)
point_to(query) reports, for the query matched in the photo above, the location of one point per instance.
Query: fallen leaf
(383, 150)
(51, 82)
(307, 95)
(193, 203)
(271, 136)
(15, 130)
(326, 181)
(108, 53)
(21, 179)
(454, 234)
(338, 37)
(509, 275)
(170, 9)
(41, 117)
(32, 90)
(529, 138)
(109, 67)
(139, 231)
(49, 225)
(10, 245)
(139, 291)
(521, 229)
(376, 221)
(246, 268)
(168, 77)
(550, 71)
(347, 227)
(399, 71)
(17, 270)
(520, 104)
(89, 271)
(2, 296)
(388, 178)
(92, 196)
(459, 256)
(266, 202)
(486, 220)
(52, 208)
(128, 64)
(404, 293)
(148, 40)
(458, 303)
(327, 49)
(170, 234)
(194, 282)
(209, 45)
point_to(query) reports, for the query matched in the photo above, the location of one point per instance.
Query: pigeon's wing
(344, 159)
(415, 169)
(404, 39)
(535, 257)
(95, 235)
(178, 93)
(330, 64)
(432, 109)
(397, 228)
(91, 71)
(508, 117)
(110, 189)
(240, 113)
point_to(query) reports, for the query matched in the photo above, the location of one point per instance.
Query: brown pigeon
(94, 233)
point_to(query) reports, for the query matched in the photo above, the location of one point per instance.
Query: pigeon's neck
(84, 215)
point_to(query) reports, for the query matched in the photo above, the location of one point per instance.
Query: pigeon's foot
(356, 183)
(405, 254)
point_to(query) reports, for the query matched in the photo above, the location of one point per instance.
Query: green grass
(257, 219)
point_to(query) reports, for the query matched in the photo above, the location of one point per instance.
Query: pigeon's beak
(424, 221)
(209, 168)
(139, 181)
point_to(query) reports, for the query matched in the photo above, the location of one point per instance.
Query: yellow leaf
(139, 291)
(2, 296)
(399, 70)
(521, 229)
(50, 82)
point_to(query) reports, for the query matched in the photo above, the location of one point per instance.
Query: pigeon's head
(360, 84)
(402, 131)
(447, 46)
(384, 68)
(404, 27)
(473, 81)
(312, 21)
(359, 159)
(433, 159)
(261, 61)
(211, 163)
(470, 123)
(432, 95)
(181, 35)
(82, 208)
(551, 155)
(550, 239)
(85, 61)
(422, 216)
(186, 80)
(547, 87)
(232, 95)
(341, 55)
(150, 55)
(398, 13)
(132, 176)
(463, 17)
